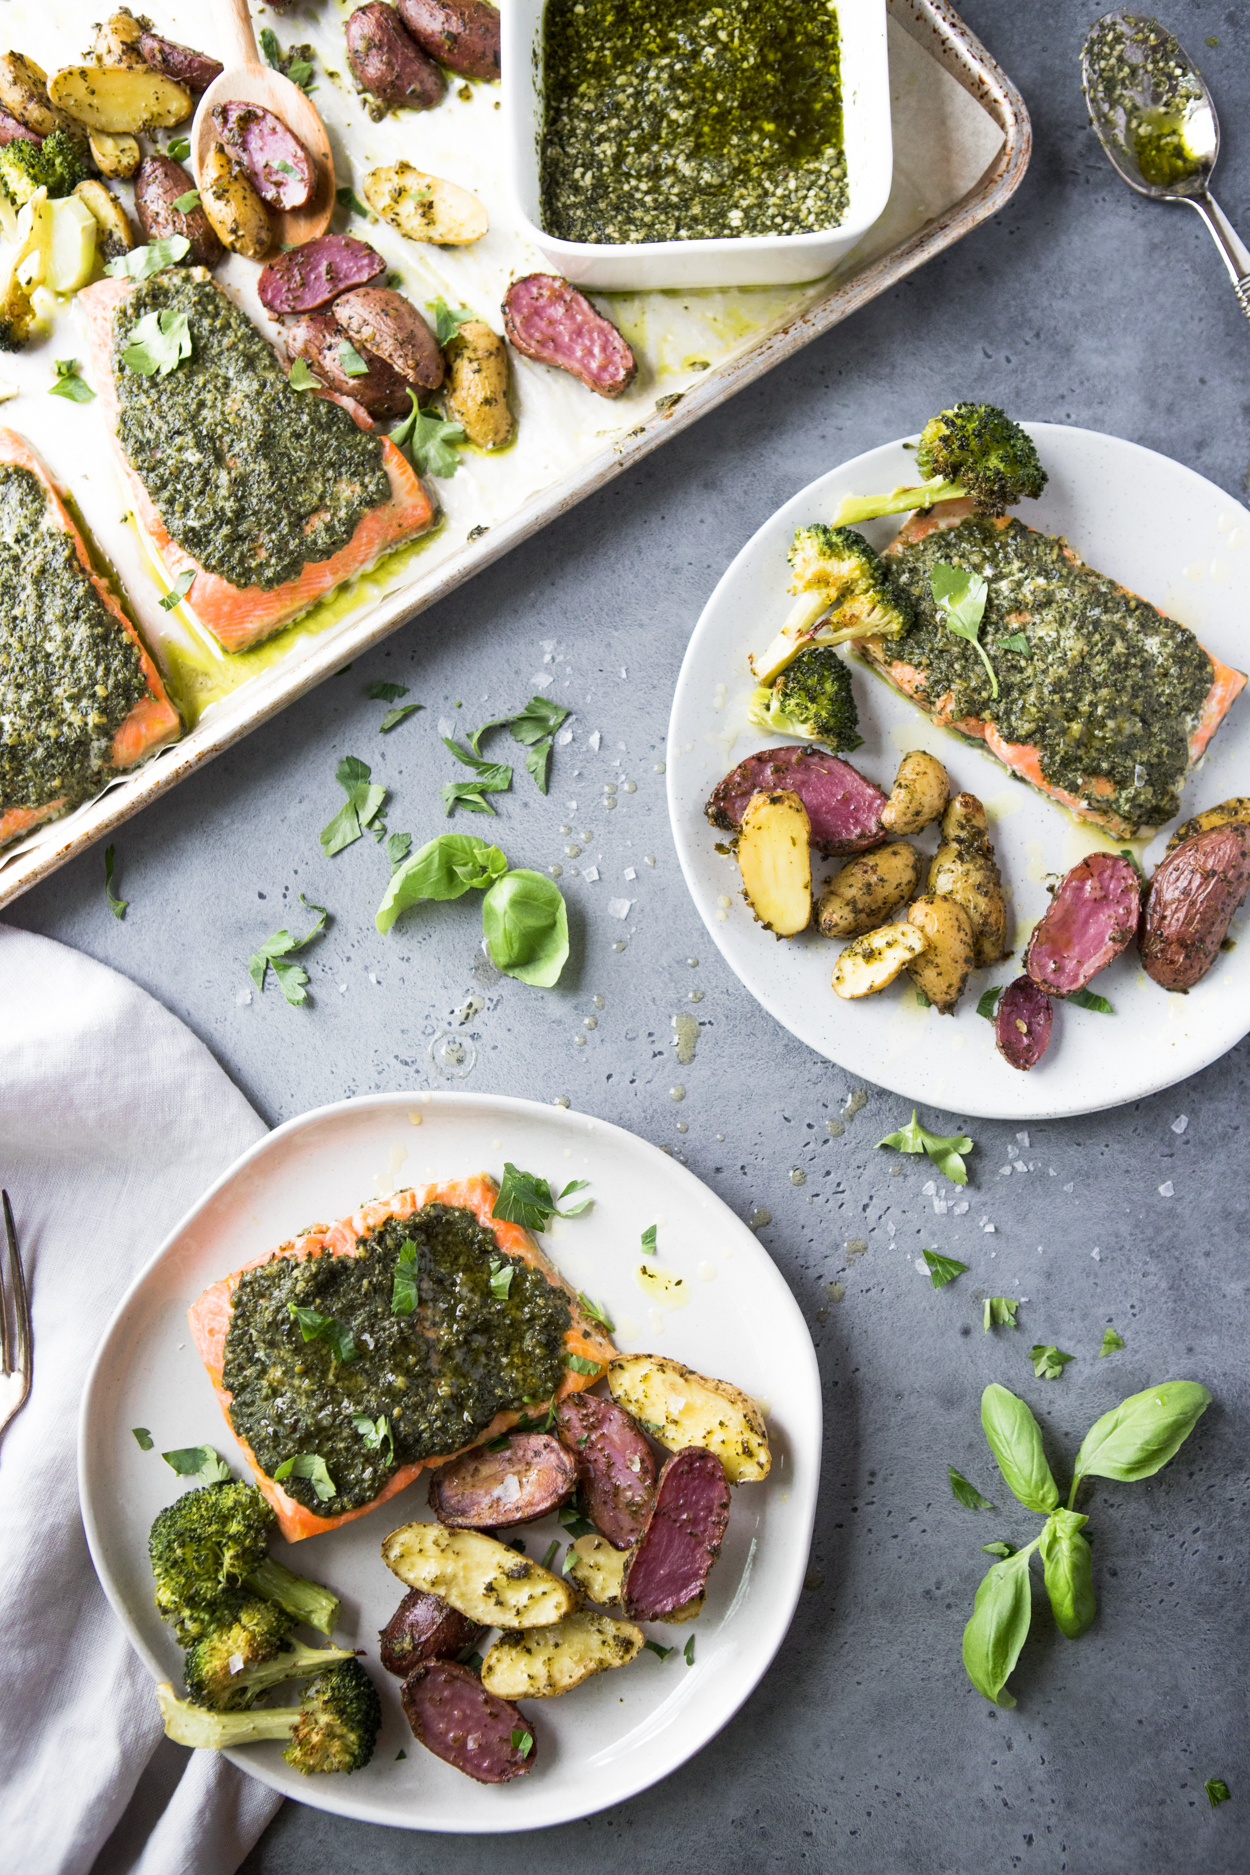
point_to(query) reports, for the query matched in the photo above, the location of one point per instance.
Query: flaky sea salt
(1167, 1189)
(619, 907)
(1180, 1123)
(591, 873)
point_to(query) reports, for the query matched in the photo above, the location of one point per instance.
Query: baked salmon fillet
(1104, 702)
(258, 500)
(80, 699)
(446, 1325)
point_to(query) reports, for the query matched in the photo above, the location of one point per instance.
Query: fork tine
(21, 1302)
(6, 1357)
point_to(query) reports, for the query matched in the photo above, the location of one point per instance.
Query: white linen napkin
(113, 1120)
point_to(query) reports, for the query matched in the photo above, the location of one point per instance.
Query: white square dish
(742, 260)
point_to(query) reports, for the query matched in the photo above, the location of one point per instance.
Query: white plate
(1148, 522)
(622, 1731)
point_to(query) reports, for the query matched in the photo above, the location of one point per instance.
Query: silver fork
(20, 1340)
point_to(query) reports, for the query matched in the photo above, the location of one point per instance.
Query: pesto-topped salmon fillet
(1104, 703)
(263, 497)
(353, 1357)
(80, 699)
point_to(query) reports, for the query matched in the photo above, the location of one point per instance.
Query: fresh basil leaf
(185, 203)
(538, 763)
(1217, 1790)
(317, 1327)
(648, 1240)
(301, 377)
(312, 1466)
(375, 1433)
(272, 953)
(1000, 1312)
(398, 847)
(200, 1463)
(171, 600)
(942, 1270)
(70, 384)
(1016, 642)
(988, 1005)
(1111, 1344)
(143, 1438)
(1087, 999)
(142, 262)
(653, 1647)
(353, 364)
(552, 1547)
(446, 322)
(271, 49)
(158, 343)
(386, 693)
(944, 1152)
(446, 867)
(300, 73)
(526, 927)
(1000, 1549)
(347, 198)
(1138, 1437)
(116, 905)
(967, 1494)
(1068, 1565)
(501, 1275)
(1049, 1363)
(688, 1651)
(180, 147)
(592, 1309)
(960, 598)
(999, 1626)
(1015, 1438)
(394, 718)
(404, 1294)
(523, 1742)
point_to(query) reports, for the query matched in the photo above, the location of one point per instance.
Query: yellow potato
(1237, 807)
(964, 869)
(868, 889)
(920, 792)
(476, 392)
(871, 962)
(680, 1408)
(942, 970)
(118, 98)
(484, 1579)
(116, 41)
(597, 1569)
(24, 93)
(116, 236)
(115, 156)
(425, 208)
(235, 212)
(539, 1663)
(775, 860)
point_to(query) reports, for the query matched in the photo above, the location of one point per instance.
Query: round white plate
(1144, 520)
(621, 1731)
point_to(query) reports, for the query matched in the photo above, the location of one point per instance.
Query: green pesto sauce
(1146, 78)
(1110, 687)
(250, 477)
(69, 675)
(689, 121)
(439, 1375)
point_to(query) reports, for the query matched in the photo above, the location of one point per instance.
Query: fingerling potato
(453, 1716)
(496, 1490)
(118, 41)
(159, 184)
(666, 1577)
(182, 63)
(871, 962)
(597, 1569)
(390, 326)
(775, 859)
(425, 208)
(116, 236)
(1193, 896)
(920, 793)
(477, 385)
(942, 970)
(118, 98)
(681, 1408)
(541, 1663)
(1022, 1023)
(964, 869)
(115, 156)
(868, 889)
(235, 212)
(615, 1465)
(1237, 807)
(24, 92)
(424, 1627)
(485, 1580)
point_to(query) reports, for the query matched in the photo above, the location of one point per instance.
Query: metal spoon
(1156, 121)
(250, 82)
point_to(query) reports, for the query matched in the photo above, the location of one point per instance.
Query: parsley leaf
(988, 1004)
(143, 1438)
(316, 1327)
(525, 1199)
(942, 1270)
(961, 601)
(1000, 1312)
(1087, 999)
(274, 953)
(178, 592)
(552, 1547)
(523, 1742)
(301, 377)
(688, 1651)
(447, 867)
(1217, 1791)
(364, 799)
(538, 763)
(180, 147)
(69, 383)
(446, 322)
(945, 1153)
(1126, 852)
(142, 262)
(571, 1518)
(501, 1275)
(580, 1365)
(185, 203)
(158, 343)
(386, 693)
(348, 199)
(375, 1432)
(398, 847)
(404, 1294)
(1000, 1549)
(312, 1466)
(429, 440)
(1111, 1344)
(394, 718)
(270, 47)
(489, 778)
(592, 1309)
(967, 1494)
(1016, 642)
(351, 361)
(116, 905)
(648, 1240)
(540, 717)
(1049, 1363)
(655, 1648)
(200, 1463)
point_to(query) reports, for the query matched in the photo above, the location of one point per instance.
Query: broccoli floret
(58, 164)
(972, 450)
(231, 1667)
(812, 698)
(332, 1729)
(836, 571)
(208, 1547)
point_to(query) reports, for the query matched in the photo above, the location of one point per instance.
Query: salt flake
(631, 872)
(619, 907)
(928, 1188)
(594, 739)
(1180, 1123)
(1023, 1139)
(591, 873)
(1167, 1189)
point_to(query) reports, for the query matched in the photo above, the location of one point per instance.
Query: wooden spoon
(245, 80)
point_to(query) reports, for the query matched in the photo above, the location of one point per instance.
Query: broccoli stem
(297, 1662)
(307, 1601)
(206, 1730)
(900, 501)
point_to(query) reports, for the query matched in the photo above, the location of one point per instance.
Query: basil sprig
(524, 920)
(1131, 1442)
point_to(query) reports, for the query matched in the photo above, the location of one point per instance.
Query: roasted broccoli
(837, 572)
(332, 1729)
(209, 1547)
(972, 450)
(232, 1666)
(58, 164)
(812, 698)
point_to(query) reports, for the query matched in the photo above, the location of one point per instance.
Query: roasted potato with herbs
(119, 99)
(485, 1580)
(775, 859)
(477, 385)
(115, 235)
(159, 184)
(681, 1408)
(541, 1663)
(1236, 808)
(24, 93)
(964, 869)
(921, 790)
(425, 208)
(235, 212)
(1195, 892)
(118, 41)
(115, 156)
(871, 962)
(597, 1569)
(388, 325)
(666, 1576)
(868, 889)
(942, 970)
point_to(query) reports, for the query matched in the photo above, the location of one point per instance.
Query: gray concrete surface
(865, 1747)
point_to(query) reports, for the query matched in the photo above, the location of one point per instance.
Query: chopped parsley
(967, 1494)
(988, 1004)
(580, 1365)
(447, 322)
(386, 693)
(960, 598)
(1000, 1312)
(274, 954)
(376, 1433)
(655, 1648)
(648, 1240)
(312, 1466)
(1111, 1343)
(525, 1199)
(317, 1327)
(364, 801)
(69, 383)
(1088, 999)
(1048, 1362)
(142, 262)
(688, 1650)
(200, 1463)
(404, 1286)
(394, 718)
(116, 905)
(942, 1270)
(523, 1742)
(351, 361)
(550, 1557)
(594, 1311)
(347, 198)
(159, 342)
(1217, 1790)
(302, 378)
(946, 1153)
(185, 203)
(501, 1275)
(143, 1438)
(429, 439)
(169, 601)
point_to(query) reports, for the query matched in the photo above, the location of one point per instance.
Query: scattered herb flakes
(1111, 1343)
(301, 378)
(1217, 1790)
(534, 728)
(394, 718)
(316, 1327)
(347, 198)
(69, 383)
(988, 1004)
(312, 1466)
(143, 1438)
(960, 599)
(552, 1547)
(364, 800)
(1088, 999)
(523, 1742)
(158, 343)
(351, 361)
(688, 1651)
(922, 1001)
(1000, 1549)
(571, 1518)
(400, 1756)
(200, 1463)
(376, 1433)
(429, 439)
(501, 1275)
(116, 905)
(1016, 642)
(648, 1240)
(942, 1270)
(655, 1648)
(595, 1312)
(580, 1365)
(967, 1494)
(404, 1287)
(525, 1199)
(944, 1152)
(274, 954)
(170, 600)
(185, 203)
(1000, 1312)
(1048, 1362)
(447, 322)
(398, 847)
(142, 262)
